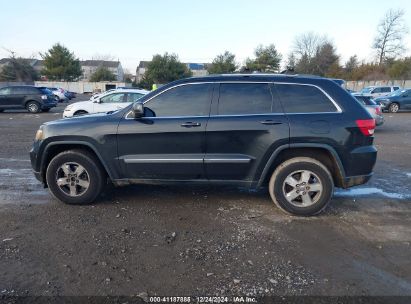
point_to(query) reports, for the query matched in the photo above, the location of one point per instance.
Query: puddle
(369, 191)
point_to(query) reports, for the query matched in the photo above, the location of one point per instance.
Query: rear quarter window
(298, 98)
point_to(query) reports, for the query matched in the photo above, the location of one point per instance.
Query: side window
(17, 90)
(396, 88)
(245, 98)
(5, 91)
(304, 99)
(185, 100)
(133, 97)
(385, 89)
(113, 98)
(376, 90)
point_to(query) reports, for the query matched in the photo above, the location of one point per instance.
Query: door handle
(190, 124)
(270, 122)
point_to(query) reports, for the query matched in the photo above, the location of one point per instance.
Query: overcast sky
(196, 30)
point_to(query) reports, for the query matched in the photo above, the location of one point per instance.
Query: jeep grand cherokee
(298, 135)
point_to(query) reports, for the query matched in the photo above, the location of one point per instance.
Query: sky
(195, 30)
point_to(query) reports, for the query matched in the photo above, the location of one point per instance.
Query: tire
(304, 203)
(33, 107)
(394, 107)
(83, 171)
(81, 112)
(46, 110)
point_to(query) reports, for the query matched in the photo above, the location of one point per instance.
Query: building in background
(89, 67)
(141, 69)
(198, 69)
(37, 64)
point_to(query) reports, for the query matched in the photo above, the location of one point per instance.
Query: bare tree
(307, 44)
(389, 41)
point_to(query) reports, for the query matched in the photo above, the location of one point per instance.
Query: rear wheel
(394, 107)
(33, 107)
(75, 177)
(301, 186)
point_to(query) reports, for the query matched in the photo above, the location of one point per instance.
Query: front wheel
(301, 186)
(394, 107)
(33, 107)
(75, 177)
(80, 112)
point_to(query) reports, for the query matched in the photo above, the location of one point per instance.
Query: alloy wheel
(302, 188)
(72, 179)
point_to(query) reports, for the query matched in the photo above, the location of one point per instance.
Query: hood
(77, 119)
(81, 103)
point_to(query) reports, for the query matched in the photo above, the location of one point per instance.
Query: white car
(109, 101)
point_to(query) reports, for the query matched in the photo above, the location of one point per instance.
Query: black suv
(299, 135)
(26, 97)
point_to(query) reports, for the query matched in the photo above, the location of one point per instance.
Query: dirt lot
(158, 240)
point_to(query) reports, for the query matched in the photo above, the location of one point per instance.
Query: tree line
(311, 53)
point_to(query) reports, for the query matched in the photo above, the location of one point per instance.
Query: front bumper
(379, 120)
(67, 114)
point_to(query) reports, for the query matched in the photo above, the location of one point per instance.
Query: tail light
(366, 126)
(378, 110)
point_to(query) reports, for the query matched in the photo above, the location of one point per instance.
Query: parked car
(372, 107)
(111, 101)
(59, 93)
(299, 135)
(400, 99)
(70, 95)
(95, 95)
(378, 91)
(26, 97)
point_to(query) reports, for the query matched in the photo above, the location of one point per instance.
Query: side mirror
(138, 109)
(97, 100)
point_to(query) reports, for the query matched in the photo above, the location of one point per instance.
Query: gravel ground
(179, 240)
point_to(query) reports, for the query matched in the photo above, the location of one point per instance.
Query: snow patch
(368, 191)
(13, 160)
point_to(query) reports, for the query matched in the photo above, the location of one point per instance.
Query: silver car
(378, 91)
(372, 107)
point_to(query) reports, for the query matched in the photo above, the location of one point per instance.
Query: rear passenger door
(246, 126)
(314, 117)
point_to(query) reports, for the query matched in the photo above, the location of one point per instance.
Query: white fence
(82, 86)
(359, 85)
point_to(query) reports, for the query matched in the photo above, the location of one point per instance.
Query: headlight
(44, 97)
(39, 135)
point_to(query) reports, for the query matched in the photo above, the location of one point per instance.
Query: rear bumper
(356, 180)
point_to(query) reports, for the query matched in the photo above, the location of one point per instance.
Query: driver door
(168, 142)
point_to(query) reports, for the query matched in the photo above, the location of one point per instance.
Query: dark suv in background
(300, 136)
(26, 97)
